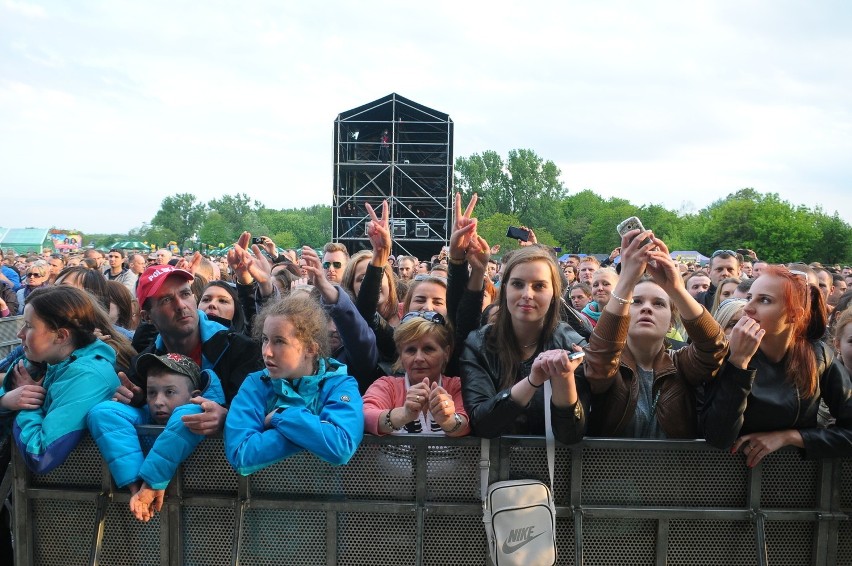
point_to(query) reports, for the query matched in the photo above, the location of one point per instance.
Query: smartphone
(518, 233)
(629, 224)
(258, 241)
(576, 355)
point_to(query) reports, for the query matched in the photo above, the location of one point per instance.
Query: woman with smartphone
(505, 365)
(642, 388)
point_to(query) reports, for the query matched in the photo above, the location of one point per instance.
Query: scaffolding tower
(396, 149)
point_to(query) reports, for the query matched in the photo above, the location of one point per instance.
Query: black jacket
(494, 413)
(762, 398)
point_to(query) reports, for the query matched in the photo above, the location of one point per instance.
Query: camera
(518, 233)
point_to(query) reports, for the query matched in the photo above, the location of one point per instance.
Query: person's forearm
(687, 306)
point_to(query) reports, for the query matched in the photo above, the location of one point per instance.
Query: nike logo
(522, 540)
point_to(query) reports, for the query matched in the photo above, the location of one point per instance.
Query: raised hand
(209, 421)
(379, 234)
(127, 391)
(464, 228)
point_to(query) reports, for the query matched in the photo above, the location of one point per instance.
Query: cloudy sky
(108, 107)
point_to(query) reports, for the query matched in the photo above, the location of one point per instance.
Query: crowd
(284, 351)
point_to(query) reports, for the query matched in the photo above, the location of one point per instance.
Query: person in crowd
(580, 295)
(57, 264)
(843, 339)
(570, 274)
(743, 288)
(725, 289)
(747, 267)
(90, 280)
(9, 274)
(504, 365)
(136, 264)
(8, 300)
(724, 264)
(423, 400)
(121, 310)
(586, 269)
(603, 281)
(170, 381)
(164, 256)
(302, 400)
(729, 313)
(697, 282)
(757, 268)
(252, 274)
(642, 388)
(825, 282)
(117, 271)
(66, 370)
(406, 267)
(219, 301)
(167, 302)
(335, 258)
(37, 276)
(492, 271)
(351, 341)
(97, 256)
(839, 287)
(768, 393)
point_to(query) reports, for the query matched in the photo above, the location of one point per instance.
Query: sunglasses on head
(431, 316)
(427, 277)
(335, 264)
(723, 252)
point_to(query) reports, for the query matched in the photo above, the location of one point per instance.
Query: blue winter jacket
(47, 435)
(332, 435)
(113, 427)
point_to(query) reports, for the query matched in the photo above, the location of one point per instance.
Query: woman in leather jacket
(505, 365)
(768, 393)
(644, 389)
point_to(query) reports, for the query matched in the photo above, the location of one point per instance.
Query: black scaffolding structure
(396, 149)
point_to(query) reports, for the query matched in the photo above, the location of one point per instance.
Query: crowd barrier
(415, 500)
(9, 328)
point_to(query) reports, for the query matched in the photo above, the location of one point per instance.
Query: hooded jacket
(47, 435)
(332, 433)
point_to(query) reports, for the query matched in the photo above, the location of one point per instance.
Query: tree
(234, 209)
(180, 215)
(833, 243)
(525, 185)
(216, 229)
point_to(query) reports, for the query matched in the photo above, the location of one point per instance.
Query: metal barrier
(9, 328)
(415, 500)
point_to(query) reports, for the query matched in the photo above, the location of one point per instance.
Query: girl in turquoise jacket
(60, 332)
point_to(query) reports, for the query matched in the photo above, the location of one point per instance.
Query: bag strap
(550, 442)
(484, 468)
(548, 433)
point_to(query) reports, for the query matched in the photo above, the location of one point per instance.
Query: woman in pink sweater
(423, 400)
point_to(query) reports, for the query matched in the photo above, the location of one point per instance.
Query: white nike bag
(520, 515)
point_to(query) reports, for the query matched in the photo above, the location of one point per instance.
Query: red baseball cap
(154, 277)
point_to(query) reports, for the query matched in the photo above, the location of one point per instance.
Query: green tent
(23, 240)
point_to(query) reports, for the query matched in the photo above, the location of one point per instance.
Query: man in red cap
(166, 301)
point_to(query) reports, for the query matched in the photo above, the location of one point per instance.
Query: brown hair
(501, 339)
(335, 247)
(391, 305)
(120, 296)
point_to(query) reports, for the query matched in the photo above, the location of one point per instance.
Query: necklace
(531, 345)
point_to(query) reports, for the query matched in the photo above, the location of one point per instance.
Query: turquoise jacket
(332, 430)
(47, 435)
(113, 427)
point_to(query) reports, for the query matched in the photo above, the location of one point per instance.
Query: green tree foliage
(834, 241)
(180, 216)
(216, 230)
(525, 185)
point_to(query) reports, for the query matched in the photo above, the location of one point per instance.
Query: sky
(106, 108)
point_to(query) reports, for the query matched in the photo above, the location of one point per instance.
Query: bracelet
(533, 384)
(389, 423)
(458, 425)
(621, 300)
(456, 261)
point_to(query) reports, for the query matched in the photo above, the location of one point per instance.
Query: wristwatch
(458, 425)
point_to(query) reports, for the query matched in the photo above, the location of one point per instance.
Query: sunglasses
(723, 252)
(336, 264)
(35, 275)
(431, 316)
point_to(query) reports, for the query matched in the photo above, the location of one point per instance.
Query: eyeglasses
(34, 274)
(431, 316)
(336, 264)
(723, 252)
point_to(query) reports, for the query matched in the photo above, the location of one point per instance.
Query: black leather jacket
(762, 399)
(494, 413)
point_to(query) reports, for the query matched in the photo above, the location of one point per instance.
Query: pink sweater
(388, 392)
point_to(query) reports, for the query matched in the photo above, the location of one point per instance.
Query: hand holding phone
(518, 233)
(632, 223)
